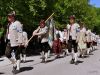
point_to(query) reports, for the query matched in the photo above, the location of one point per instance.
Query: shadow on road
(79, 61)
(25, 69)
(1, 73)
(29, 61)
(86, 56)
(1, 60)
(48, 61)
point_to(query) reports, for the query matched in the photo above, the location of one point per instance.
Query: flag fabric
(51, 26)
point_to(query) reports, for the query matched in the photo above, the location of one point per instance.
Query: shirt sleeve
(20, 33)
(26, 37)
(35, 31)
(44, 31)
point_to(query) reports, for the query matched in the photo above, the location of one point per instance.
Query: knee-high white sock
(75, 56)
(18, 65)
(21, 58)
(49, 53)
(72, 54)
(64, 52)
(88, 50)
(24, 57)
(42, 54)
(67, 51)
(46, 56)
(95, 47)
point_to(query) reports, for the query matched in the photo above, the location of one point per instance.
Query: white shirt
(25, 38)
(72, 30)
(44, 36)
(83, 30)
(88, 37)
(60, 34)
(15, 33)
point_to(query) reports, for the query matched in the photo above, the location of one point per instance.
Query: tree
(30, 12)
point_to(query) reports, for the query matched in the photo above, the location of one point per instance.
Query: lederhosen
(72, 44)
(22, 49)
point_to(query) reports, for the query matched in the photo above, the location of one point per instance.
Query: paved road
(87, 66)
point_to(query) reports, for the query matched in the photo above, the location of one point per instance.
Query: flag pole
(45, 22)
(49, 17)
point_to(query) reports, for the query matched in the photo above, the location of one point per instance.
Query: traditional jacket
(15, 33)
(72, 30)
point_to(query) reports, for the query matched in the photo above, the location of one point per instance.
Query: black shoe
(43, 60)
(80, 56)
(58, 56)
(41, 57)
(22, 61)
(48, 56)
(76, 63)
(72, 61)
(65, 54)
(16, 71)
(14, 68)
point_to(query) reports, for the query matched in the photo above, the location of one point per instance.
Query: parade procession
(64, 39)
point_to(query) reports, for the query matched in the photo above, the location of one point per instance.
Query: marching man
(94, 40)
(65, 44)
(72, 36)
(23, 47)
(88, 41)
(15, 38)
(42, 33)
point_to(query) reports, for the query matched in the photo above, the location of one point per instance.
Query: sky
(95, 3)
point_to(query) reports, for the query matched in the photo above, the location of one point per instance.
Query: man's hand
(34, 34)
(20, 44)
(26, 44)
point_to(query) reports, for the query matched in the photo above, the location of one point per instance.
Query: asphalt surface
(33, 66)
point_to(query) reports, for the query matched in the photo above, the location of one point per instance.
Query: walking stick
(45, 22)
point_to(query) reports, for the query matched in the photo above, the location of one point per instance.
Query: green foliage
(30, 12)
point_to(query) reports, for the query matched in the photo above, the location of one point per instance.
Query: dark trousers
(64, 45)
(44, 46)
(72, 44)
(88, 44)
(22, 50)
(9, 50)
